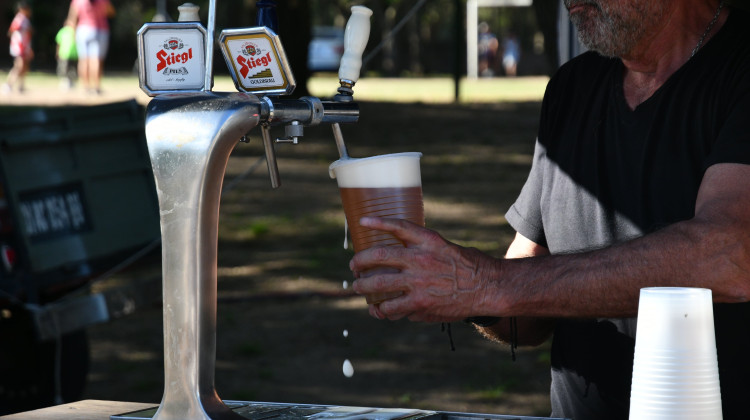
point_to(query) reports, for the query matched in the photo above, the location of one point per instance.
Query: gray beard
(610, 34)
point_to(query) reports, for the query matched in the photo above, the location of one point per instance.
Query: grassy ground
(283, 309)
(43, 88)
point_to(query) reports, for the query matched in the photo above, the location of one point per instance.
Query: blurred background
(426, 43)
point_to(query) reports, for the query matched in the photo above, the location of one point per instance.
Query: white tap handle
(356, 35)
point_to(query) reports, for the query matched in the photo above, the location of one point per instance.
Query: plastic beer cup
(379, 186)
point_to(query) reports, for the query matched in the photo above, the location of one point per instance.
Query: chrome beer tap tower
(191, 132)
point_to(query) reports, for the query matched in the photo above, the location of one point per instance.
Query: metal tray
(284, 411)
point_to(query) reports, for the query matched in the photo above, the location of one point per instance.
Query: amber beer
(401, 203)
(379, 186)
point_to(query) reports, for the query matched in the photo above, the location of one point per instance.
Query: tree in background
(426, 45)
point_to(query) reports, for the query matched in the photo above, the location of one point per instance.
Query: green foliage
(426, 44)
(493, 393)
(259, 228)
(405, 399)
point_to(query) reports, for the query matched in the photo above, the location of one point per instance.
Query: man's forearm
(606, 282)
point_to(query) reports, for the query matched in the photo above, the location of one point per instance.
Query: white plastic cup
(379, 186)
(675, 368)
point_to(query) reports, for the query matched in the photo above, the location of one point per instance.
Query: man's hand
(440, 281)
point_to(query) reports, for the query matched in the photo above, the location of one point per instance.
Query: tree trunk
(546, 17)
(295, 33)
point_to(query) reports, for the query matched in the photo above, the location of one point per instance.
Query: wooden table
(81, 410)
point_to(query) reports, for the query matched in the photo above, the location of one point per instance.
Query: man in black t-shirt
(639, 178)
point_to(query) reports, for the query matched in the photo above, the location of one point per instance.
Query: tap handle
(355, 39)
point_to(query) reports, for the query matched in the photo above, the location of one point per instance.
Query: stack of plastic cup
(675, 369)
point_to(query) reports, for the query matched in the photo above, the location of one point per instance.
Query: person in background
(20, 31)
(511, 55)
(639, 179)
(487, 48)
(66, 55)
(91, 18)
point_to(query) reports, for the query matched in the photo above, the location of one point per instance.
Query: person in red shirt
(20, 47)
(92, 39)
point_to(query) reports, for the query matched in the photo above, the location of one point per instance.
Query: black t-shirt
(603, 174)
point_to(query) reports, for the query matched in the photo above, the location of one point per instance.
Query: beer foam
(383, 171)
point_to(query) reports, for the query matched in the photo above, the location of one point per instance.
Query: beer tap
(190, 133)
(295, 114)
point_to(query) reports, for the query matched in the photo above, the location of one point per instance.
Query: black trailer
(77, 198)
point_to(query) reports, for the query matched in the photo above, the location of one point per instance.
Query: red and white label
(174, 59)
(256, 62)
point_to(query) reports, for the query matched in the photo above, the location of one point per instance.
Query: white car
(325, 49)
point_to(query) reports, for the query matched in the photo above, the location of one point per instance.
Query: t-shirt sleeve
(733, 142)
(525, 215)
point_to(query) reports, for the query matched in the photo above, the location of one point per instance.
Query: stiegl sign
(256, 61)
(171, 57)
(166, 58)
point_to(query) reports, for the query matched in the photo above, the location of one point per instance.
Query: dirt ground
(283, 310)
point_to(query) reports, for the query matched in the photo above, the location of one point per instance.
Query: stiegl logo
(173, 44)
(167, 58)
(250, 49)
(256, 58)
